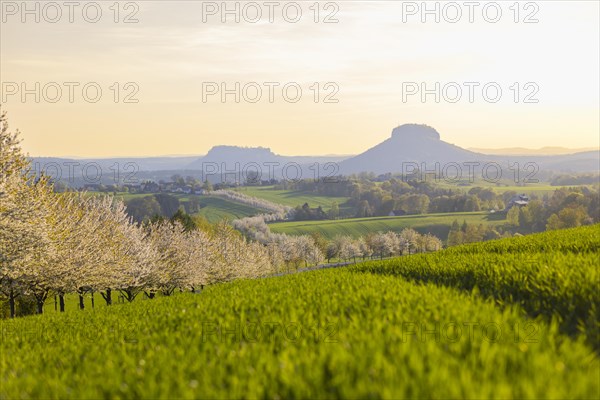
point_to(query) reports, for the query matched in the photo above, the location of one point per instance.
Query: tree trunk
(41, 299)
(11, 302)
(107, 297)
(92, 299)
(55, 304)
(61, 299)
(128, 294)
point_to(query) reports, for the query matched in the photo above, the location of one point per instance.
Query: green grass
(553, 274)
(292, 198)
(413, 327)
(215, 209)
(437, 224)
(326, 334)
(72, 302)
(128, 196)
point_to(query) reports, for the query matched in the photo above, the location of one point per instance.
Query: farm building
(519, 200)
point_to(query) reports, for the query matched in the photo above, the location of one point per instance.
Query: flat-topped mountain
(408, 143)
(230, 155)
(243, 155)
(414, 143)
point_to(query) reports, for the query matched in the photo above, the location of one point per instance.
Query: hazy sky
(373, 57)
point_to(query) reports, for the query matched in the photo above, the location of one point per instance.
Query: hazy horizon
(543, 150)
(370, 58)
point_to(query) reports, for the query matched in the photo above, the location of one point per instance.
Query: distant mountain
(221, 162)
(230, 155)
(413, 143)
(544, 151)
(409, 143)
(234, 154)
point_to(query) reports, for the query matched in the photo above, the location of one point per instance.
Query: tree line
(369, 197)
(303, 248)
(75, 243)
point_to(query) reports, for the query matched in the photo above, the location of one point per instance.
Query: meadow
(436, 224)
(213, 208)
(417, 327)
(294, 198)
(552, 274)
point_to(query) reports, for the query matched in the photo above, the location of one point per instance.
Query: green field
(552, 274)
(436, 224)
(395, 329)
(213, 208)
(292, 198)
(72, 302)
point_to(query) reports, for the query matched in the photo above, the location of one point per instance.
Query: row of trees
(471, 233)
(372, 197)
(71, 242)
(383, 244)
(313, 248)
(306, 213)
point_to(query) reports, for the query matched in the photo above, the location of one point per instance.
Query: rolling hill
(293, 198)
(436, 224)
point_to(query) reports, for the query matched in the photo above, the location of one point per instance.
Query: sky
(155, 72)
